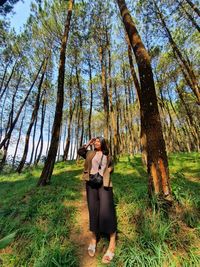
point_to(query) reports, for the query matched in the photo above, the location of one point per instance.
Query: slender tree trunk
(9, 79)
(8, 134)
(19, 137)
(9, 123)
(41, 139)
(33, 143)
(91, 100)
(71, 111)
(49, 134)
(80, 106)
(186, 132)
(50, 161)
(118, 120)
(194, 7)
(157, 162)
(104, 90)
(2, 115)
(59, 144)
(190, 17)
(33, 118)
(112, 115)
(3, 78)
(194, 84)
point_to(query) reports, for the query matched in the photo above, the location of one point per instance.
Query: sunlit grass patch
(149, 238)
(39, 216)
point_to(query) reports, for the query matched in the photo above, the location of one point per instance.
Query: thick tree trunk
(50, 161)
(157, 162)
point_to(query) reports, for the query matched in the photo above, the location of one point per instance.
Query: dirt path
(80, 234)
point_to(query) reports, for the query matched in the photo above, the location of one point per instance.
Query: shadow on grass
(130, 181)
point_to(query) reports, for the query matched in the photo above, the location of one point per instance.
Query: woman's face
(97, 144)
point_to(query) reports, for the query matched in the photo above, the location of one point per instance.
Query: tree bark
(157, 162)
(50, 161)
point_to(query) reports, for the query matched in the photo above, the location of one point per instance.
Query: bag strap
(101, 162)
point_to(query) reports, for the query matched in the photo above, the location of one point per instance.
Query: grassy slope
(146, 238)
(40, 216)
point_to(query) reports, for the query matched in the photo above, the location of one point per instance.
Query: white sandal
(108, 256)
(91, 250)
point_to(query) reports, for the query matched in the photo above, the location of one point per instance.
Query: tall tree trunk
(91, 100)
(143, 140)
(190, 17)
(104, 90)
(9, 79)
(194, 84)
(3, 78)
(71, 111)
(50, 161)
(41, 139)
(8, 134)
(33, 143)
(33, 118)
(112, 115)
(118, 120)
(194, 7)
(19, 137)
(49, 134)
(80, 106)
(185, 130)
(9, 123)
(157, 162)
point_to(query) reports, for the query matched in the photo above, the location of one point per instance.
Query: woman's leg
(107, 214)
(93, 208)
(112, 243)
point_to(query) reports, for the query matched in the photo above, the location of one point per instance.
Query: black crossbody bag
(97, 179)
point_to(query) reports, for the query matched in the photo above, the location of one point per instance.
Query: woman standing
(102, 215)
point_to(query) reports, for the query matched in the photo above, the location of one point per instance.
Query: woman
(102, 215)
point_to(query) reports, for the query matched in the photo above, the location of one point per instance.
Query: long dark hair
(104, 146)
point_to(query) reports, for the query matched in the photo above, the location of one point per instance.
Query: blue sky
(21, 13)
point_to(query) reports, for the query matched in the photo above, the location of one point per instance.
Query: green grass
(150, 238)
(43, 217)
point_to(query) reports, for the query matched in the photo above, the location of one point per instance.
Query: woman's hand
(110, 169)
(91, 142)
